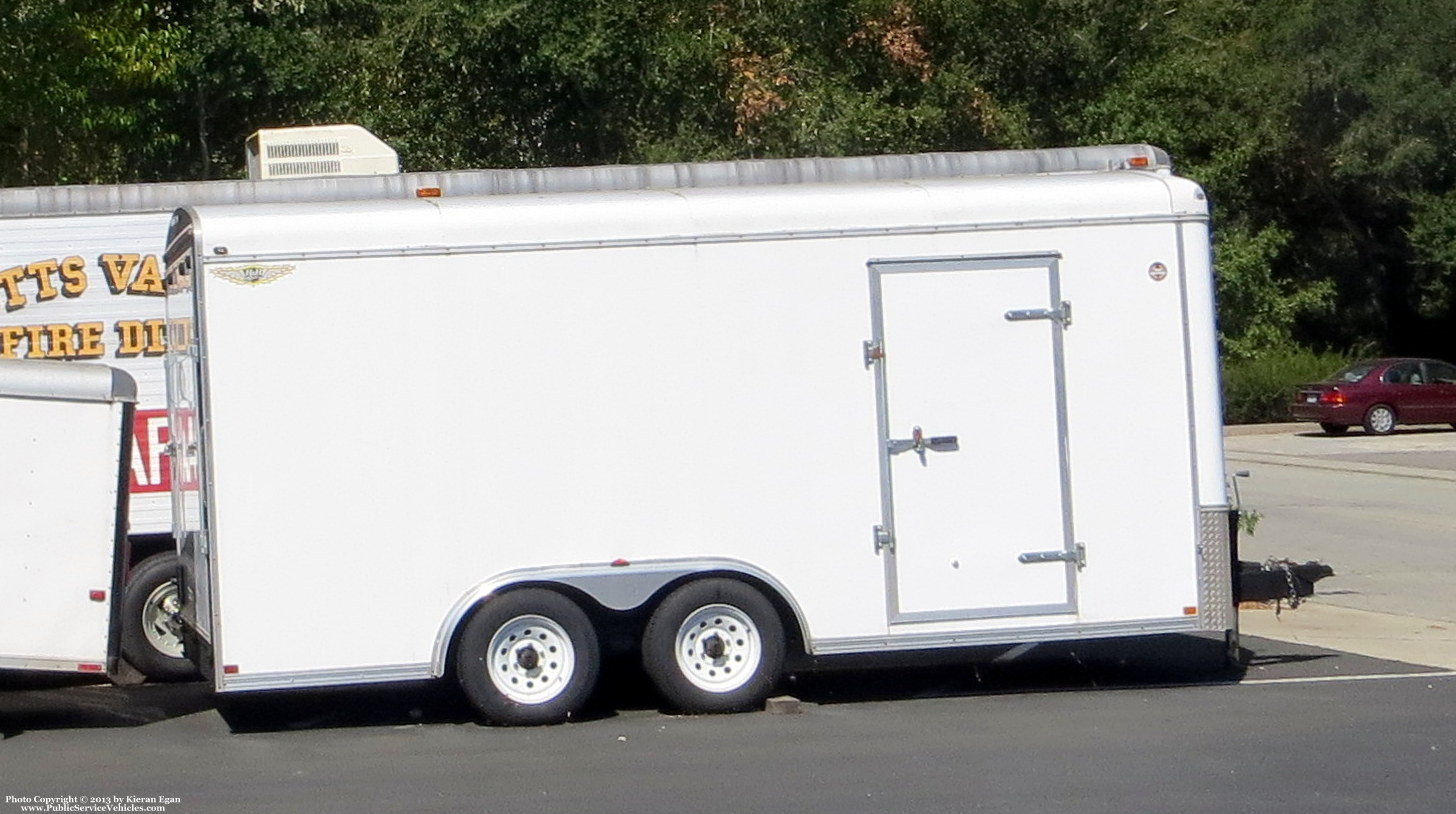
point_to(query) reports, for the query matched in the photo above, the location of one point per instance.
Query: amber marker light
(427, 192)
(1190, 611)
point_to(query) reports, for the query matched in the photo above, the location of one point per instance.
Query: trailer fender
(619, 586)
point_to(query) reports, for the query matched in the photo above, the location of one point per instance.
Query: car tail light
(1332, 397)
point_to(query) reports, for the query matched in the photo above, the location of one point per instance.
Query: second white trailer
(65, 444)
(857, 417)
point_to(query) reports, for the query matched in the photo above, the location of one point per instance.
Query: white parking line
(1367, 677)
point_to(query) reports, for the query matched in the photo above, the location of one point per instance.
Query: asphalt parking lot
(1146, 725)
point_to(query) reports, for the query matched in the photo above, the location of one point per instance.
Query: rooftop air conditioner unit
(319, 151)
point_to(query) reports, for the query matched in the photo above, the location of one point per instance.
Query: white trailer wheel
(718, 648)
(528, 657)
(532, 659)
(714, 645)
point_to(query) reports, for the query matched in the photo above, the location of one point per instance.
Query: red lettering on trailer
(151, 466)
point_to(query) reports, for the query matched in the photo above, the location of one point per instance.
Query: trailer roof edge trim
(18, 202)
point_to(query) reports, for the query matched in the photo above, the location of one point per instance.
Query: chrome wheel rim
(718, 648)
(1382, 420)
(531, 659)
(159, 619)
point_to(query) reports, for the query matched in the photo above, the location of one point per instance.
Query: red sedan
(1380, 393)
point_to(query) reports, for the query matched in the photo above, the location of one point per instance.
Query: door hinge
(1062, 315)
(1077, 555)
(873, 352)
(883, 539)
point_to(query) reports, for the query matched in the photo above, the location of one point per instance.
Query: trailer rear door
(974, 472)
(185, 406)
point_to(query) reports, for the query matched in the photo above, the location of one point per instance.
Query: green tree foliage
(263, 63)
(1323, 130)
(1376, 124)
(79, 83)
(1324, 134)
(1432, 237)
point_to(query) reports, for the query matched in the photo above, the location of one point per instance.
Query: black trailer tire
(528, 657)
(1333, 429)
(150, 638)
(1380, 419)
(714, 645)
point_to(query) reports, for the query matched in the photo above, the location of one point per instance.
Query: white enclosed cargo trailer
(853, 416)
(64, 451)
(80, 274)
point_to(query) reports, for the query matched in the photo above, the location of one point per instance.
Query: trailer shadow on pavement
(37, 701)
(40, 703)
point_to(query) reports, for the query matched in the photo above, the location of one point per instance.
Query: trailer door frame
(976, 505)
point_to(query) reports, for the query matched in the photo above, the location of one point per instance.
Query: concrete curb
(1292, 428)
(1408, 639)
(1306, 462)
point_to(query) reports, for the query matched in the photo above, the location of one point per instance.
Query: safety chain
(1287, 567)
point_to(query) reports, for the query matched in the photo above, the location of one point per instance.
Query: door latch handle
(918, 443)
(943, 443)
(1062, 315)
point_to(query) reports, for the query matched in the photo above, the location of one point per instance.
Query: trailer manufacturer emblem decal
(1158, 272)
(252, 275)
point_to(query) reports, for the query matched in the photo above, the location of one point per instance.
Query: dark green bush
(1259, 391)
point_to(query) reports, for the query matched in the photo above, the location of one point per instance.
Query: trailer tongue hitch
(1278, 580)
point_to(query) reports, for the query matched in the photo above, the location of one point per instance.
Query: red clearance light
(230, 669)
(1138, 162)
(98, 596)
(90, 668)
(620, 563)
(427, 192)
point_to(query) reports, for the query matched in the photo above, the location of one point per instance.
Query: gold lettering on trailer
(10, 336)
(133, 274)
(156, 337)
(41, 272)
(10, 284)
(139, 338)
(61, 341)
(71, 271)
(129, 332)
(35, 333)
(73, 276)
(118, 269)
(149, 279)
(88, 340)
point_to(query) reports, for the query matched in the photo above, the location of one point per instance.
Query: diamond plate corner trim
(1215, 571)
